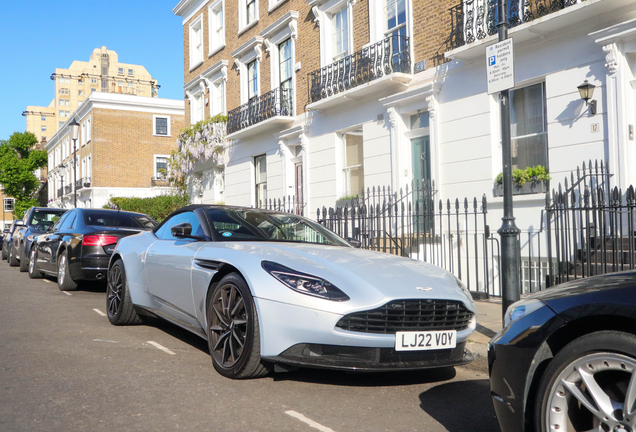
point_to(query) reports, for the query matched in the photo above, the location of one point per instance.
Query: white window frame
(156, 176)
(196, 95)
(89, 129)
(243, 24)
(83, 134)
(214, 77)
(377, 21)
(11, 206)
(326, 13)
(154, 125)
(243, 56)
(196, 57)
(216, 40)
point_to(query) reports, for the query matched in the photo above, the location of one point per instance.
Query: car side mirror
(353, 242)
(181, 230)
(19, 223)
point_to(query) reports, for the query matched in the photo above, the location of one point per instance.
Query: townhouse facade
(103, 72)
(8, 205)
(122, 150)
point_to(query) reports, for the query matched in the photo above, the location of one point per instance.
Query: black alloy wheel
(233, 333)
(34, 272)
(590, 385)
(119, 306)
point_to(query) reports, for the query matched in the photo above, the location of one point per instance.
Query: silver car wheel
(61, 271)
(595, 392)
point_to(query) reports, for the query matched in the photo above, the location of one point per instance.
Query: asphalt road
(64, 367)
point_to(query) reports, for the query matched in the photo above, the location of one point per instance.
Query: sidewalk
(489, 323)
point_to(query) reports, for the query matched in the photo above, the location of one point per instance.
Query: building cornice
(186, 9)
(280, 24)
(247, 46)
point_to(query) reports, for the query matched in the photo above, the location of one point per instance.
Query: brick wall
(123, 147)
(431, 30)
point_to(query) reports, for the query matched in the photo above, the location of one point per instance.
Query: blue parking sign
(491, 60)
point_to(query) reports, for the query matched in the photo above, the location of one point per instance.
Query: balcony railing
(277, 102)
(78, 184)
(86, 182)
(159, 182)
(68, 189)
(382, 58)
(473, 20)
(60, 192)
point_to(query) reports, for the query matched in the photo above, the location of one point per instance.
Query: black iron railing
(79, 184)
(68, 189)
(473, 20)
(451, 234)
(292, 204)
(382, 58)
(86, 181)
(60, 191)
(277, 102)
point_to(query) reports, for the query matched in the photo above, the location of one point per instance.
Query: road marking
(161, 347)
(99, 312)
(103, 340)
(67, 293)
(310, 422)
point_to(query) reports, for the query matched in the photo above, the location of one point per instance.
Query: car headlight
(31, 237)
(464, 289)
(304, 283)
(520, 309)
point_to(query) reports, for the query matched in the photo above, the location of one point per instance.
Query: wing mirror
(19, 223)
(184, 230)
(353, 242)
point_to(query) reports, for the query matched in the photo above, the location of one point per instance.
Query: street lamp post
(508, 231)
(74, 125)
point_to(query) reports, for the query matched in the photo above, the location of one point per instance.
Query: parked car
(4, 232)
(267, 288)
(566, 358)
(6, 241)
(36, 221)
(78, 246)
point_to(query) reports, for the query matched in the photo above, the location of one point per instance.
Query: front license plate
(430, 340)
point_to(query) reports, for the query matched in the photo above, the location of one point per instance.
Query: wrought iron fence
(388, 56)
(277, 102)
(60, 191)
(79, 184)
(292, 204)
(86, 181)
(453, 235)
(473, 20)
(68, 189)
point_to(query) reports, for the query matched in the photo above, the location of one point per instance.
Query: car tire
(4, 253)
(34, 271)
(13, 262)
(233, 331)
(119, 307)
(24, 261)
(587, 374)
(64, 280)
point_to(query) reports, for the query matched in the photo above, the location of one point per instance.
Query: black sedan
(79, 245)
(566, 358)
(37, 220)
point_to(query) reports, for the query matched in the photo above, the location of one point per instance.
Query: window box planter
(527, 188)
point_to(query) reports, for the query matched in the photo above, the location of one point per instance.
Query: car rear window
(119, 219)
(45, 218)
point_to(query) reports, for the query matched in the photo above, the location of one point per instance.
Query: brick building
(123, 144)
(300, 82)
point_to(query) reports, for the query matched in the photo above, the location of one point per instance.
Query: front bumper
(301, 336)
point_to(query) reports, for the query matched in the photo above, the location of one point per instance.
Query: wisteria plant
(197, 143)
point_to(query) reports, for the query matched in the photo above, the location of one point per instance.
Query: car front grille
(409, 315)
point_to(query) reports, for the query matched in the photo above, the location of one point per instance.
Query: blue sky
(39, 35)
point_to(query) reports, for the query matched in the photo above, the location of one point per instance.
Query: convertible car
(272, 289)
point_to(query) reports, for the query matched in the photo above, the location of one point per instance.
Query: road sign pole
(508, 232)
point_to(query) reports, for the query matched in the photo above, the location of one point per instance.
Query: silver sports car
(267, 288)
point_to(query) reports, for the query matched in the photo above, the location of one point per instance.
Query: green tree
(18, 162)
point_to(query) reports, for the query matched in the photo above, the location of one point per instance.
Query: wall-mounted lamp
(587, 91)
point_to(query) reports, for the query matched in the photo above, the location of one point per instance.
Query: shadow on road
(367, 379)
(177, 332)
(462, 406)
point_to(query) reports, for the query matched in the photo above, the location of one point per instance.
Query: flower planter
(527, 189)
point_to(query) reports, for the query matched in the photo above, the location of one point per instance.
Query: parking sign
(500, 66)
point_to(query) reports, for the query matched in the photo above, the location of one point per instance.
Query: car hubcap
(596, 392)
(115, 284)
(32, 262)
(228, 326)
(62, 269)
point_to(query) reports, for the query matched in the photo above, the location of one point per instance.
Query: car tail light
(99, 240)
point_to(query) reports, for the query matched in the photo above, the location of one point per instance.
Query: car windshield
(255, 225)
(119, 219)
(44, 219)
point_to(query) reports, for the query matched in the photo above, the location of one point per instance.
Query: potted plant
(532, 180)
(347, 201)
